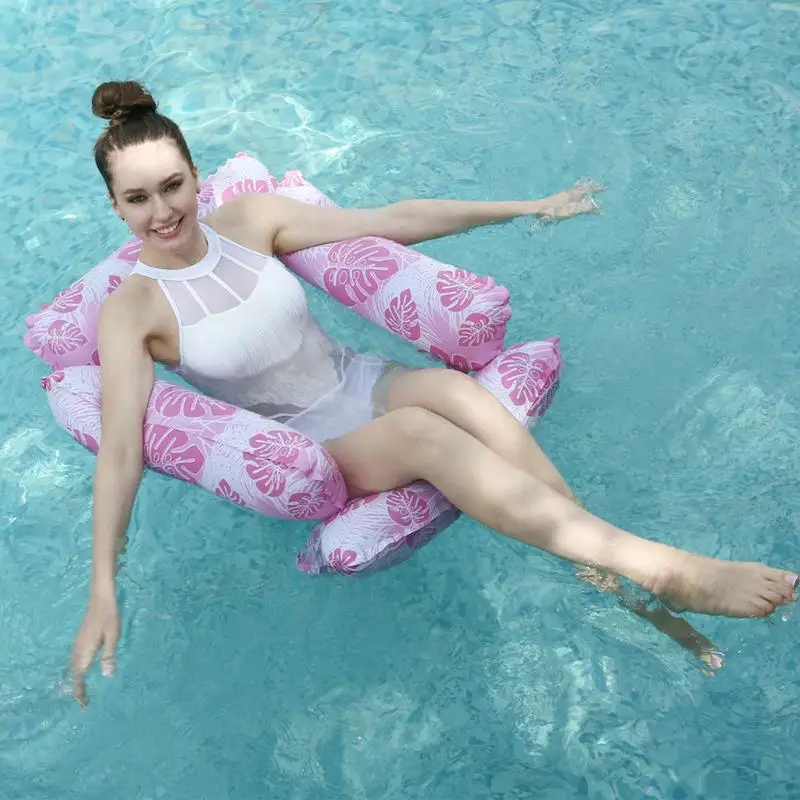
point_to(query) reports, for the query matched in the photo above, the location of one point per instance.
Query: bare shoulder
(128, 311)
(251, 219)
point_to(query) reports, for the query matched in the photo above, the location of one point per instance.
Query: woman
(212, 301)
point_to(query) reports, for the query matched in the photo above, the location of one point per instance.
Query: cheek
(137, 216)
(188, 197)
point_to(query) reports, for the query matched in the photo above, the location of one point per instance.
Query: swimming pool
(480, 668)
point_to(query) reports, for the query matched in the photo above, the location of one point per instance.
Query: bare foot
(712, 659)
(570, 203)
(709, 586)
(657, 614)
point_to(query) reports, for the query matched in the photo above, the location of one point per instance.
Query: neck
(187, 254)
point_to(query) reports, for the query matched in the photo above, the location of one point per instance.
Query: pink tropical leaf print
(345, 561)
(113, 283)
(49, 382)
(520, 380)
(546, 399)
(402, 316)
(226, 492)
(130, 252)
(173, 401)
(64, 337)
(171, 452)
(95, 358)
(89, 442)
(292, 178)
(358, 268)
(457, 361)
(247, 186)
(206, 194)
(269, 476)
(407, 508)
(69, 299)
(476, 329)
(279, 447)
(303, 505)
(457, 288)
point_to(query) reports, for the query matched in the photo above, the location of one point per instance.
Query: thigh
(461, 400)
(447, 392)
(384, 453)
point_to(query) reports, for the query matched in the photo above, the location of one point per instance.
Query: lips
(169, 231)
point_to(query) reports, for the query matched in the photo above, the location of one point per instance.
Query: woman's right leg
(412, 443)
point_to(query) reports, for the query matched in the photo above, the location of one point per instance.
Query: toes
(784, 586)
(763, 607)
(712, 658)
(769, 598)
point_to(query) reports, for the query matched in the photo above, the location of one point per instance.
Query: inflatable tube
(457, 317)
(450, 313)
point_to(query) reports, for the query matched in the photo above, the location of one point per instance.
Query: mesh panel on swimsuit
(245, 332)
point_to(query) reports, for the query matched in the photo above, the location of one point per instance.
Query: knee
(458, 387)
(420, 434)
(438, 389)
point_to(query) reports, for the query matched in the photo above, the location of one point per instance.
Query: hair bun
(119, 101)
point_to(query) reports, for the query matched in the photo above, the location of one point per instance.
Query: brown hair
(133, 119)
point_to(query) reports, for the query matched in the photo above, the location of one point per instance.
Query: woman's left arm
(295, 225)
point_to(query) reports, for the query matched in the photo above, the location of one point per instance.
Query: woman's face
(154, 190)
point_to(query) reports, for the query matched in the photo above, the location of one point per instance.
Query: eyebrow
(165, 181)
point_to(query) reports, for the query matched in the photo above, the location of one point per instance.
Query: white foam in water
(31, 466)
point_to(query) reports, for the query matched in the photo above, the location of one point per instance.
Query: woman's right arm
(127, 381)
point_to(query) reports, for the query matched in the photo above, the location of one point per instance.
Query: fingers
(86, 647)
(82, 656)
(588, 185)
(586, 206)
(571, 203)
(79, 691)
(108, 661)
(81, 662)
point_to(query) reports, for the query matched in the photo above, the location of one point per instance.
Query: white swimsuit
(247, 337)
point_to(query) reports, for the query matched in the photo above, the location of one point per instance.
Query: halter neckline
(202, 267)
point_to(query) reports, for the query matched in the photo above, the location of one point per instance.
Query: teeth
(167, 231)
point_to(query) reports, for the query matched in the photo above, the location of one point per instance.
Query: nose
(161, 209)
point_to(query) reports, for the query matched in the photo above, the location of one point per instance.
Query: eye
(137, 198)
(174, 186)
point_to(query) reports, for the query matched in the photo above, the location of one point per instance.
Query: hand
(100, 628)
(570, 203)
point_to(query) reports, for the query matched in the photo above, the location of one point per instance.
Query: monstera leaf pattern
(456, 316)
(445, 311)
(375, 532)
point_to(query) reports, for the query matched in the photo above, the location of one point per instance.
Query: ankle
(654, 566)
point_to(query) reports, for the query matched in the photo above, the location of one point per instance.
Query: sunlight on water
(479, 669)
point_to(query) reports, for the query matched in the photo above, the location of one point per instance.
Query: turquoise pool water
(480, 669)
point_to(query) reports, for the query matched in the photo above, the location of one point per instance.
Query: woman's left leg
(465, 403)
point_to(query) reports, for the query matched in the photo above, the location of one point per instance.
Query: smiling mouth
(168, 231)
